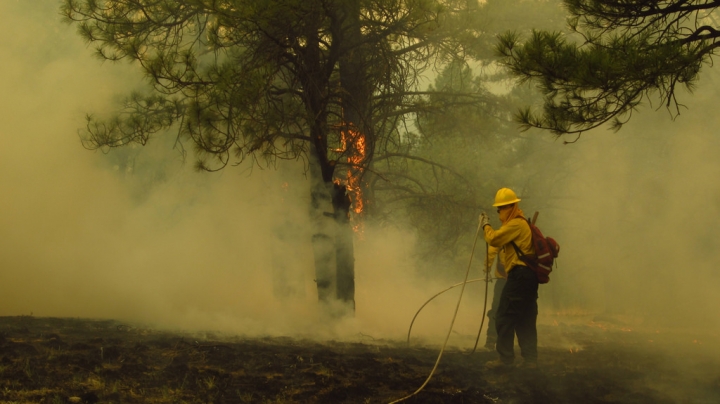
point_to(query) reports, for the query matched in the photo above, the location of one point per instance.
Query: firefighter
(517, 311)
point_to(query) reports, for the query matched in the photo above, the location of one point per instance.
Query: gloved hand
(484, 220)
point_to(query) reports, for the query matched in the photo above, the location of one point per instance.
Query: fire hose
(445, 290)
(457, 307)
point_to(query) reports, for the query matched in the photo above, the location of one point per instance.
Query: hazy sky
(637, 218)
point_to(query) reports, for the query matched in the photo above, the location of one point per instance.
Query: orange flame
(356, 158)
(354, 144)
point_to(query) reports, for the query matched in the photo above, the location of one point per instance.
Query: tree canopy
(325, 81)
(618, 53)
(262, 79)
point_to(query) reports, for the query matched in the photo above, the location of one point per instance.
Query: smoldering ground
(636, 214)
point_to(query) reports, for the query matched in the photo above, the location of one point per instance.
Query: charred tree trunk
(321, 168)
(344, 252)
(332, 239)
(330, 205)
(355, 101)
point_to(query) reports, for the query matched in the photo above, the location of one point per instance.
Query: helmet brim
(507, 202)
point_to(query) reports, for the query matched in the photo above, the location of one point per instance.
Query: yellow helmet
(505, 196)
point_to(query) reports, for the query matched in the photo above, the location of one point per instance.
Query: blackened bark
(330, 206)
(321, 169)
(344, 251)
(355, 107)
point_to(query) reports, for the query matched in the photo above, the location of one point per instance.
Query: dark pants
(492, 313)
(517, 314)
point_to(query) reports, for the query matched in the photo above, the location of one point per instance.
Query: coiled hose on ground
(457, 307)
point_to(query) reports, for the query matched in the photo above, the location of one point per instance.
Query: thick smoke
(636, 216)
(639, 217)
(92, 235)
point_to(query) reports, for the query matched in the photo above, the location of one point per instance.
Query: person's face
(504, 211)
(504, 207)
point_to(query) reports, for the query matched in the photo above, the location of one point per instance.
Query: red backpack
(546, 250)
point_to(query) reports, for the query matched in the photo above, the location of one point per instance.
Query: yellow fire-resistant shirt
(516, 230)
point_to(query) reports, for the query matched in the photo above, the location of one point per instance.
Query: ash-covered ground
(62, 360)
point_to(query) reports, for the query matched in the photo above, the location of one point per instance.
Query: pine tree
(326, 81)
(618, 53)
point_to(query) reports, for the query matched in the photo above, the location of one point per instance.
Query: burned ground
(60, 360)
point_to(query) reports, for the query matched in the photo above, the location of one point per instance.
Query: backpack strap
(519, 252)
(524, 258)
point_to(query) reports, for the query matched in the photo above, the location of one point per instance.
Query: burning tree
(327, 81)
